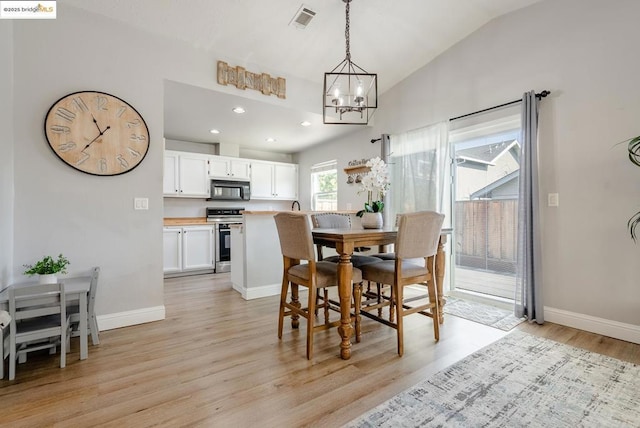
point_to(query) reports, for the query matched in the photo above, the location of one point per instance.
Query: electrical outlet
(349, 206)
(141, 203)
(553, 199)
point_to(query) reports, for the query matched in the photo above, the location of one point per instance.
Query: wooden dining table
(345, 241)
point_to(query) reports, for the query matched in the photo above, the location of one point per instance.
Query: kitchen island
(256, 260)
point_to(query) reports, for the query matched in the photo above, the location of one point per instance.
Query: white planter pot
(48, 279)
(372, 220)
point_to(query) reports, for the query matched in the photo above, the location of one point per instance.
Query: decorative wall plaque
(241, 79)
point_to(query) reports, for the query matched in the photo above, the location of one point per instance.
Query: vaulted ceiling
(390, 38)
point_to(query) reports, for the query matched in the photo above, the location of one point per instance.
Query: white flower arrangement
(375, 182)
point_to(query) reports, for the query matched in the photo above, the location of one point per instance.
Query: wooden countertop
(185, 221)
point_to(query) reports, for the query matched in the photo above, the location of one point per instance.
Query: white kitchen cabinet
(186, 175)
(172, 249)
(170, 178)
(222, 167)
(197, 247)
(274, 180)
(188, 248)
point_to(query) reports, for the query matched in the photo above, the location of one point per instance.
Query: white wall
(61, 210)
(586, 53)
(6, 148)
(91, 219)
(356, 145)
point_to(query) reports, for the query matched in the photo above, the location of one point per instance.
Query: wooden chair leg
(357, 302)
(311, 320)
(392, 304)
(397, 290)
(295, 302)
(326, 306)
(435, 311)
(283, 300)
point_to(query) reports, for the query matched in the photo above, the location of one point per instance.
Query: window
(324, 186)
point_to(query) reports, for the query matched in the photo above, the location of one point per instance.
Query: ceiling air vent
(303, 16)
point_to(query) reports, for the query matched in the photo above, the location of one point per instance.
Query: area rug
(519, 381)
(481, 313)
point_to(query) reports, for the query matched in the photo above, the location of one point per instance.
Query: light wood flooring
(216, 361)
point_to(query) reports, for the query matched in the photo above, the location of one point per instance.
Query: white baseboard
(125, 319)
(615, 329)
(258, 292)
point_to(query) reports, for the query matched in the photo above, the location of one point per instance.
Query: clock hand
(96, 123)
(99, 135)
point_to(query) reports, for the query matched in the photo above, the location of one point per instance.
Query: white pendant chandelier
(350, 93)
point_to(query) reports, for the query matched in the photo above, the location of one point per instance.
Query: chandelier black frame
(350, 94)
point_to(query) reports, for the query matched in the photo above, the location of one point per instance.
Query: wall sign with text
(241, 79)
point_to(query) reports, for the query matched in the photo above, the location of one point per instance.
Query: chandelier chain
(346, 31)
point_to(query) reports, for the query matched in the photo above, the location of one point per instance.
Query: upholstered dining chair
(73, 310)
(333, 220)
(418, 236)
(296, 244)
(38, 321)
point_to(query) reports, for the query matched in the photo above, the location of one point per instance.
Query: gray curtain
(528, 298)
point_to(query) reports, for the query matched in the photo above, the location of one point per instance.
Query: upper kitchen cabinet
(227, 168)
(274, 180)
(185, 175)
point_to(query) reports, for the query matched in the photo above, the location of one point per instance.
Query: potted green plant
(634, 157)
(47, 268)
(376, 180)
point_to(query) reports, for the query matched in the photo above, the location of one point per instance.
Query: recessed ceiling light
(270, 140)
(214, 131)
(305, 123)
(238, 110)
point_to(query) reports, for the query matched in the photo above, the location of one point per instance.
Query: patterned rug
(520, 380)
(481, 313)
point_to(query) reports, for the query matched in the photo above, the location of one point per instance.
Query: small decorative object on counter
(376, 180)
(47, 268)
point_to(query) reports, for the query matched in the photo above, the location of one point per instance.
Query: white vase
(48, 279)
(372, 220)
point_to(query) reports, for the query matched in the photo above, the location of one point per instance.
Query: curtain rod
(540, 95)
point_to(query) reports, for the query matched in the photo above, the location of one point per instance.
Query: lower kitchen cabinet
(188, 248)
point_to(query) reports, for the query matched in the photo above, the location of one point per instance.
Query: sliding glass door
(485, 159)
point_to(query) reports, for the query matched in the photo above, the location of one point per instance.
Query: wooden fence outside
(486, 234)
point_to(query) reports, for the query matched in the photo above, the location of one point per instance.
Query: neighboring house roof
(486, 191)
(486, 154)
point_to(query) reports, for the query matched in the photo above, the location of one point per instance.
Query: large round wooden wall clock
(97, 133)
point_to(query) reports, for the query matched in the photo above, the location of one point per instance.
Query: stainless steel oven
(223, 218)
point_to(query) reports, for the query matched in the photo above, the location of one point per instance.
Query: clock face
(97, 133)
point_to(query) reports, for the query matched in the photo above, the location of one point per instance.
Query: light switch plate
(141, 203)
(553, 199)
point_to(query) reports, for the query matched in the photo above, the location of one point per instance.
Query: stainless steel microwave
(223, 190)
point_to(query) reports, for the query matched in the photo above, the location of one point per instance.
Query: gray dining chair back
(333, 220)
(38, 321)
(418, 234)
(73, 310)
(294, 232)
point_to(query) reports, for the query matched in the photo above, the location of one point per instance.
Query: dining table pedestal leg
(345, 270)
